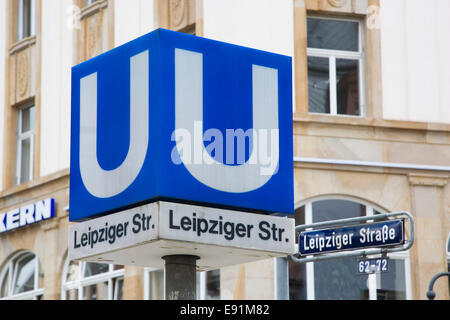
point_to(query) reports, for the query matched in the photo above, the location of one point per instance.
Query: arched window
(92, 281)
(338, 278)
(21, 278)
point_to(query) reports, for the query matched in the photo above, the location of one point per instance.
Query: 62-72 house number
(369, 266)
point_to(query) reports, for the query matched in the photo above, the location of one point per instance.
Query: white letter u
(189, 110)
(108, 183)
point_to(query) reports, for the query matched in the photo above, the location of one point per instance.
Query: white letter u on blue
(108, 183)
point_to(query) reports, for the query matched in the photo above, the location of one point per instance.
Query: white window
(208, 284)
(26, 13)
(22, 278)
(154, 284)
(337, 279)
(25, 144)
(335, 66)
(92, 281)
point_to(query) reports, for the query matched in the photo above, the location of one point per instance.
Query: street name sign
(175, 117)
(369, 235)
(142, 235)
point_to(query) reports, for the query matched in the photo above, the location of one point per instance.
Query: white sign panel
(112, 232)
(226, 228)
(144, 234)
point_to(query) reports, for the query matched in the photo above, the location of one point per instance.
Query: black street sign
(380, 234)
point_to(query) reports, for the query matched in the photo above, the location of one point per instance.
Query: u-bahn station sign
(168, 128)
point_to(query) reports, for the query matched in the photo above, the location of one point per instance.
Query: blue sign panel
(171, 116)
(386, 233)
(26, 215)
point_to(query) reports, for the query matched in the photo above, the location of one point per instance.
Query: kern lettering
(26, 215)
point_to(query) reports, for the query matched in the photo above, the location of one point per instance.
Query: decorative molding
(428, 180)
(93, 35)
(22, 44)
(36, 185)
(177, 13)
(337, 3)
(390, 165)
(23, 70)
(93, 8)
(358, 7)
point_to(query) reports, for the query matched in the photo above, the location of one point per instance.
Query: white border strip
(411, 166)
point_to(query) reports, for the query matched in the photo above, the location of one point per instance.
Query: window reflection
(213, 285)
(24, 278)
(332, 34)
(97, 291)
(93, 268)
(347, 87)
(156, 285)
(391, 285)
(318, 85)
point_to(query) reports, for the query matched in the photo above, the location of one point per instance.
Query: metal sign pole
(180, 277)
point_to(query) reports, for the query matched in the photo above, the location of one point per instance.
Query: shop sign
(26, 215)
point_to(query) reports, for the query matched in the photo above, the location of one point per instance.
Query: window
(89, 2)
(25, 144)
(337, 279)
(154, 284)
(208, 283)
(25, 18)
(22, 278)
(190, 29)
(335, 66)
(92, 281)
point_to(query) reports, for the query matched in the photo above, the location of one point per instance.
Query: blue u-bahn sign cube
(176, 117)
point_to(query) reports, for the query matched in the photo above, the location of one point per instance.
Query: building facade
(371, 135)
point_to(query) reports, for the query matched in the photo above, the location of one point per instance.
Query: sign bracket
(360, 252)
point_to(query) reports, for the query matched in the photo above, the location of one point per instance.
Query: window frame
(21, 35)
(147, 289)
(10, 270)
(111, 277)
(332, 55)
(201, 283)
(20, 137)
(373, 279)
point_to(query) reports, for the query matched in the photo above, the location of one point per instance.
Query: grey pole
(180, 277)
